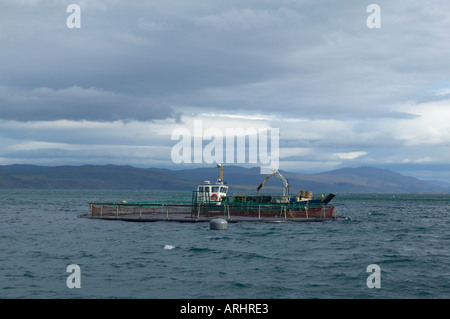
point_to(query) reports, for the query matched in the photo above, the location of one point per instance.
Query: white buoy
(218, 224)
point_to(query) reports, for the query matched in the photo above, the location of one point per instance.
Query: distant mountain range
(344, 180)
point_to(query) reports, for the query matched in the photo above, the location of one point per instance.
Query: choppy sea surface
(407, 236)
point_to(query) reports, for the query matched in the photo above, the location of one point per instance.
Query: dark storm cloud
(76, 103)
(303, 57)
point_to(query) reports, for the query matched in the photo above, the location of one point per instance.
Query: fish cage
(204, 209)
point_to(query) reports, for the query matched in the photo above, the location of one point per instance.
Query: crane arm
(264, 181)
(285, 182)
(280, 177)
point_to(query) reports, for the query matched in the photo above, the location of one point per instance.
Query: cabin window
(206, 189)
(215, 189)
(200, 188)
(223, 190)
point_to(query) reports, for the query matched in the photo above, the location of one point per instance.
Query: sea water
(407, 236)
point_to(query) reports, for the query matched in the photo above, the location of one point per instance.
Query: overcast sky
(340, 93)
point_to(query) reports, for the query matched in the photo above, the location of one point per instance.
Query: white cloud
(442, 92)
(294, 151)
(254, 117)
(32, 146)
(430, 126)
(350, 155)
(425, 159)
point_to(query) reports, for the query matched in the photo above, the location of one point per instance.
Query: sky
(341, 94)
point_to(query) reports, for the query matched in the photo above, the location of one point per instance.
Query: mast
(220, 178)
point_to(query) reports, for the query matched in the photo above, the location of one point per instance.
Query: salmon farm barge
(210, 201)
